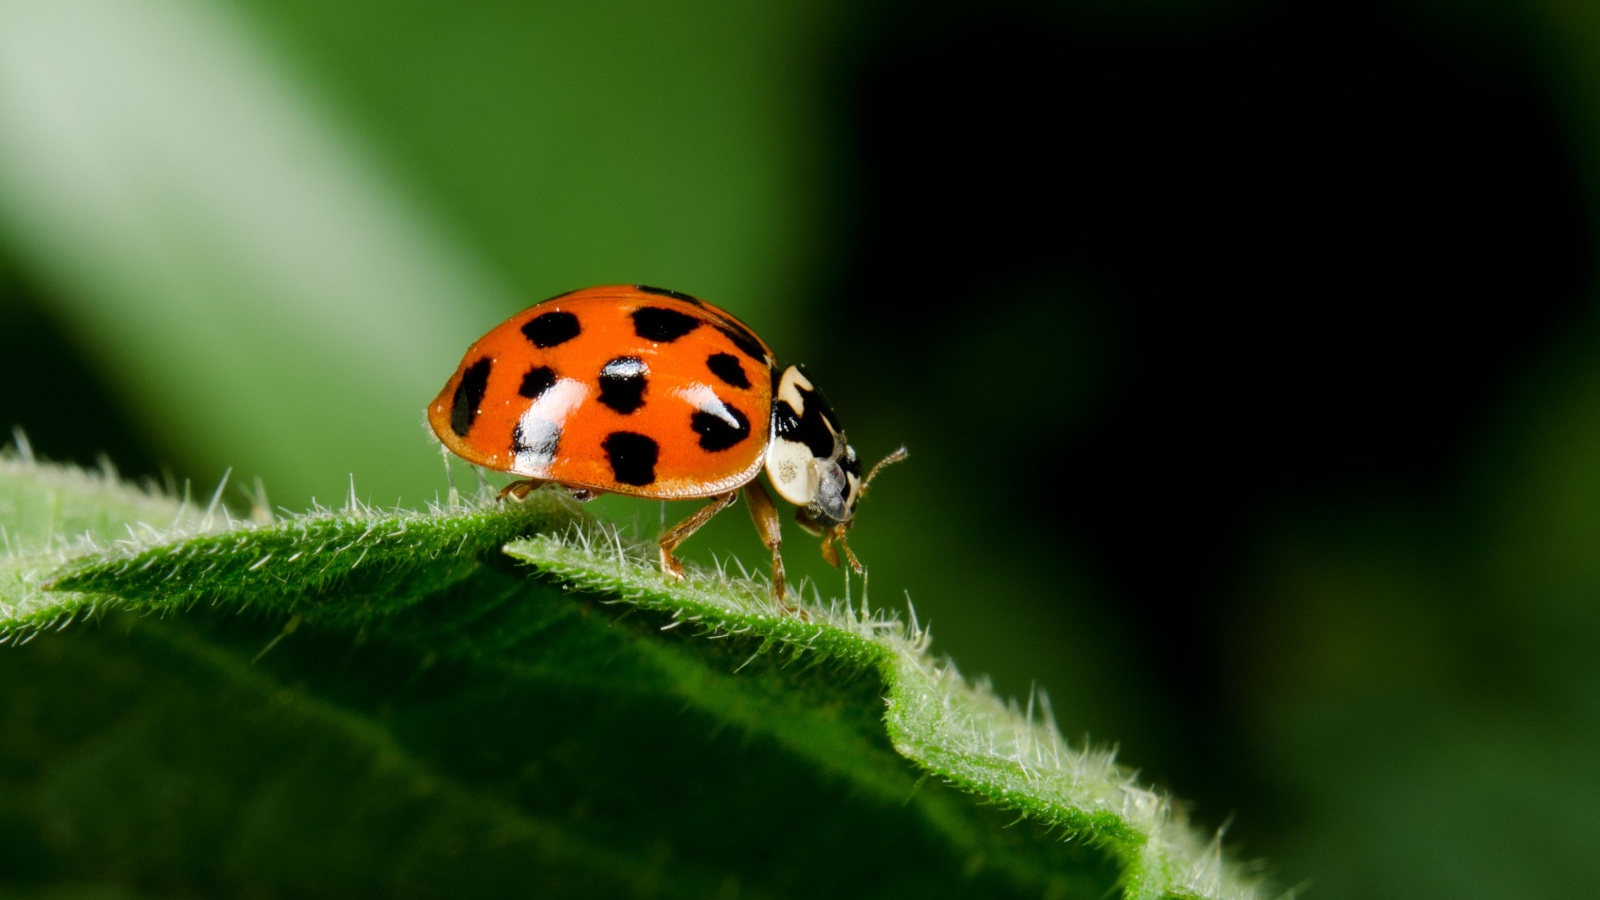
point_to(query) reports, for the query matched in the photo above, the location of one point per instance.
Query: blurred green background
(1247, 351)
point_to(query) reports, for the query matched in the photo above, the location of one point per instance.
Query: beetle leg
(838, 534)
(765, 515)
(681, 531)
(829, 554)
(520, 489)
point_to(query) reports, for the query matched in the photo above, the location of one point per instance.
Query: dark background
(1245, 353)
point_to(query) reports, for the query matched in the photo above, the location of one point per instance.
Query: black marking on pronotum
(851, 462)
(815, 401)
(720, 428)
(469, 393)
(622, 383)
(785, 421)
(551, 329)
(538, 380)
(662, 325)
(726, 366)
(744, 339)
(668, 292)
(632, 457)
(535, 442)
(810, 427)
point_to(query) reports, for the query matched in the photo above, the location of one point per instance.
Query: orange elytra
(636, 390)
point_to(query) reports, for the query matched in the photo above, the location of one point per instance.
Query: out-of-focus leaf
(184, 183)
(238, 268)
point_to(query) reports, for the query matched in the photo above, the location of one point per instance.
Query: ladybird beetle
(637, 390)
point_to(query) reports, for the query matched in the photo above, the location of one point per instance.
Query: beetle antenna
(894, 457)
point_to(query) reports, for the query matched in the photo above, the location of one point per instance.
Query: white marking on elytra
(541, 426)
(706, 400)
(623, 367)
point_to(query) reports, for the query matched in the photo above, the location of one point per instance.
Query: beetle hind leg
(681, 531)
(519, 490)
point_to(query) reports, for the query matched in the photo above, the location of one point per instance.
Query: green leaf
(50, 513)
(492, 699)
(44, 506)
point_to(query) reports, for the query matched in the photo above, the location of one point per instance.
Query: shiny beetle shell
(629, 390)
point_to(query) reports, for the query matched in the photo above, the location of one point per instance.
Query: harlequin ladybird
(652, 393)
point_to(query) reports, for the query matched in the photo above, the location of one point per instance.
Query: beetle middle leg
(765, 515)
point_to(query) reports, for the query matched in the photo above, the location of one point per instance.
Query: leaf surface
(497, 699)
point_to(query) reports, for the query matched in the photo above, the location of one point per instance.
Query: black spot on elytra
(469, 393)
(551, 329)
(662, 325)
(538, 380)
(720, 429)
(744, 339)
(667, 292)
(726, 366)
(622, 383)
(632, 457)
